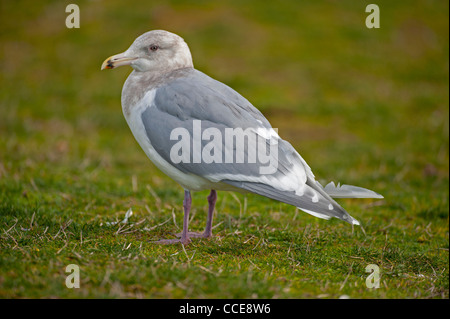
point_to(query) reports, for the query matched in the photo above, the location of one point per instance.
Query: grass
(363, 107)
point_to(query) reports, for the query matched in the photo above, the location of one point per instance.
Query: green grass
(363, 107)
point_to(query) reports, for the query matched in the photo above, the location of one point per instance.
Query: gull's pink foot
(173, 241)
(195, 235)
(185, 236)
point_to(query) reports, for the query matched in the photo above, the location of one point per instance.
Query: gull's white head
(156, 50)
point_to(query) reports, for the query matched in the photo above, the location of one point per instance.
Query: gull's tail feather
(313, 200)
(349, 191)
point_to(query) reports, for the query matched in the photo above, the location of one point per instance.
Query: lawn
(367, 107)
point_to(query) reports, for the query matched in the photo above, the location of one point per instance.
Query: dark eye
(153, 47)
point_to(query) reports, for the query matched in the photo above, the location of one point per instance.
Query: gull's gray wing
(183, 103)
(213, 105)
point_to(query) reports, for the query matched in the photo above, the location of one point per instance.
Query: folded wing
(196, 99)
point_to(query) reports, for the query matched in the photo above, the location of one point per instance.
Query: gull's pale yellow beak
(117, 60)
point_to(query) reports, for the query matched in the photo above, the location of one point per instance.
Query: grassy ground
(363, 106)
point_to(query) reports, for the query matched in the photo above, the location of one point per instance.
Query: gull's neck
(139, 83)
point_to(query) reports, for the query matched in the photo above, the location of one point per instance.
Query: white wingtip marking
(315, 198)
(349, 191)
(318, 215)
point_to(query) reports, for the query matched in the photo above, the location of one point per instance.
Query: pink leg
(209, 219)
(187, 203)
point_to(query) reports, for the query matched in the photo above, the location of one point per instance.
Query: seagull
(183, 120)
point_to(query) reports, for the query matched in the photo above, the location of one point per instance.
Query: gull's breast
(133, 116)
